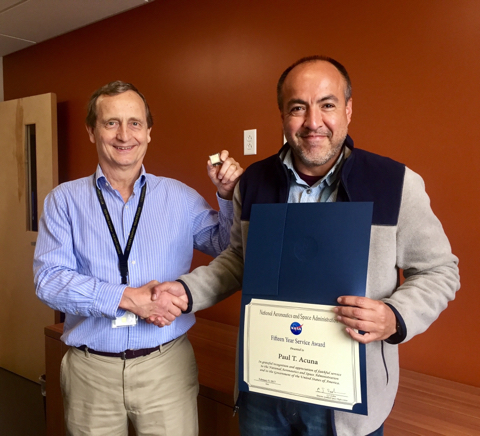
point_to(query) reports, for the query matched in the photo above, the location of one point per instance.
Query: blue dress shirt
(76, 267)
(323, 191)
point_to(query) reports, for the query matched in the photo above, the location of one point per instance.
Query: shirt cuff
(189, 296)
(401, 333)
(107, 301)
(226, 206)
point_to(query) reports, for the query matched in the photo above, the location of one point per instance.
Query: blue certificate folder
(307, 253)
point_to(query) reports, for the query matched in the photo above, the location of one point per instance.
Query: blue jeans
(262, 415)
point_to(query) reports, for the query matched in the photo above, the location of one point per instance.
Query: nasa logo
(296, 328)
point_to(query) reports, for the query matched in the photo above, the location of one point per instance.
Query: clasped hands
(157, 303)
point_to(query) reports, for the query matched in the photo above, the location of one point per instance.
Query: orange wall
(209, 70)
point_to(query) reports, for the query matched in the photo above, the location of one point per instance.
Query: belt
(127, 354)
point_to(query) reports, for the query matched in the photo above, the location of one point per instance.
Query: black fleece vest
(364, 176)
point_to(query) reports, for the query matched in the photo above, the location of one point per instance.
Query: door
(28, 171)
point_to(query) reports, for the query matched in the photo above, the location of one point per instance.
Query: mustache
(322, 132)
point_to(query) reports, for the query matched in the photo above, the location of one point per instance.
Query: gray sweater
(405, 235)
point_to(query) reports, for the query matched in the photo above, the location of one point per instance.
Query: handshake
(157, 303)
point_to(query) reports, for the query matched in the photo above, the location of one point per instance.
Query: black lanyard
(122, 257)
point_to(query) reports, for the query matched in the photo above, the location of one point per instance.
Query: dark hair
(341, 69)
(113, 88)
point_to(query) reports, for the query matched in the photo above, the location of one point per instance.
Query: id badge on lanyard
(129, 319)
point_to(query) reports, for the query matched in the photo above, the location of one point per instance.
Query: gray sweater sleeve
(223, 276)
(424, 254)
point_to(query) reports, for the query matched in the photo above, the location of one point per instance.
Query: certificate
(301, 352)
(299, 259)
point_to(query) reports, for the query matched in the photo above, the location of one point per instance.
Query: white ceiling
(27, 22)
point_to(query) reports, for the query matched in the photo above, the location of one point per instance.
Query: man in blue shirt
(104, 244)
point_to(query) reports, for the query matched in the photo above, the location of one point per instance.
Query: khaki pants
(158, 392)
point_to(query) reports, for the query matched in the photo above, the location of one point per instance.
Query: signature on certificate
(330, 391)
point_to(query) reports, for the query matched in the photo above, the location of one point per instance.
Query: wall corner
(1, 78)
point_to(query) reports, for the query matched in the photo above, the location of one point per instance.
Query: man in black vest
(320, 164)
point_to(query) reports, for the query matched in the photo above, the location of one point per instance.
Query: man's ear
(91, 133)
(349, 109)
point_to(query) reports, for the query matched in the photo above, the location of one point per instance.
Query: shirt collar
(101, 179)
(330, 177)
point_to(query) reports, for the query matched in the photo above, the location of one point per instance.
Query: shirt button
(133, 262)
(309, 191)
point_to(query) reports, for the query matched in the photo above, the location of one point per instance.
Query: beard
(310, 157)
